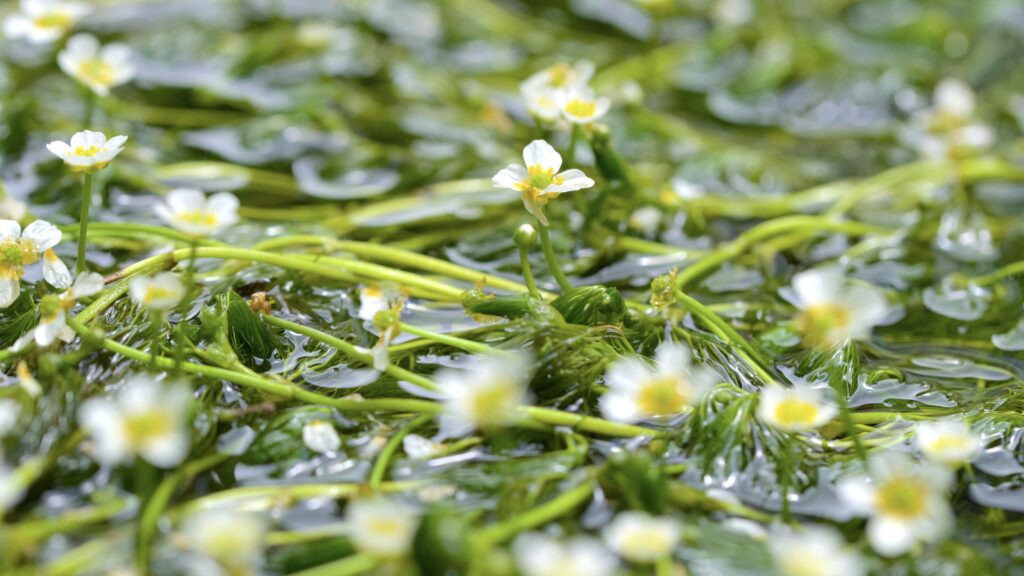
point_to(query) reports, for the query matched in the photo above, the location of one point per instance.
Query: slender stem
(185, 305)
(556, 507)
(531, 284)
(347, 566)
(456, 342)
(83, 221)
(549, 254)
(727, 333)
(380, 467)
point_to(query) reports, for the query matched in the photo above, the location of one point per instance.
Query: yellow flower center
(90, 151)
(15, 254)
(489, 404)
(198, 217)
(142, 427)
(795, 412)
(386, 527)
(55, 19)
(948, 442)
(661, 396)
(580, 108)
(902, 497)
(154, 293)
(536, 182)
(801, 565)
(817, 321)
(96, 71)
(641, 543)
(560, 74)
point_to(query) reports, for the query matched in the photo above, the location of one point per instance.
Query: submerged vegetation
(497, 287)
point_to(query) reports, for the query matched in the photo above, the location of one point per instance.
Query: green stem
(347, 566)
(380, 467)
(549, 255)
(555, 508)
(456, 342)
(723, 330)
(83, 222)
(531, 284)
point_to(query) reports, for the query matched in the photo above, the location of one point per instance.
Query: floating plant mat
(594, 287)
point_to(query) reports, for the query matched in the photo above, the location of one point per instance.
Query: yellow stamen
(816, 322)
(795, 412)
(580, 108)
(661, 396)
(97, 71)
(902, 497)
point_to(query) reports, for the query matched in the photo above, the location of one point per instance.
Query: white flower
(637, 391)
(421, 448)
(19, 249)
(542, 555)
(53, 312)
(796, 409)
(88, 151)
(44, 21)
(191, 212)
(906, 502)
(9, 412)
(646, 220)
(146, 419)
(642, 538)
(486, 394)
(954, 99)
(12, 489)
(161, 292)
(539, 181)
(579, 105)
(12, 208)
(321, 437)
(98, 68)
(383, 308)
(382, 527)
(948, 129)
(27, 381)
(232, 539)
(813, 551)
(950, 442)
(834, 310)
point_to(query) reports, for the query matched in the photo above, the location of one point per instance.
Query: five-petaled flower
(97, 68)
(191, 212)
(19, 248)
(906, 502)
(950, 442)
(813, 551)
(796, 409)
(580, 106)
(146, 418)
(834, 310)
(88, 151)
(380, 526)
(542, 90)
(44, 21)
(642, 538)
(637, 391)
(53, 311)
(540, 181)
(161, 292)
(486, 394)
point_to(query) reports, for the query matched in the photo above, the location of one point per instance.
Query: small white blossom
(383, 308)
(646, 220)
(21, 248)
(160, 292)
(486, 394)
(814, 551)
(53, 312)
(44, 21)
(580, 106)
(796, 409)
(950, 442)
(12, 208)
(321, 437)
(948, 129)
(191, 212)
(539, 181)
(87, 151)
(145, 418)
(835, 310)
(98, 68)
(542, 555)
(9, 412)
(637, 391)
(380, 526)
(906, 502)
(642, 538)
(234, 540)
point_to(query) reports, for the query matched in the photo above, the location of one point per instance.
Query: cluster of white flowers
(540, 181)
(561, 91)
(53, 311)
(637, 391)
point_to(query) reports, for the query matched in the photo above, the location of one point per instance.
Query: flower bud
(525, 237)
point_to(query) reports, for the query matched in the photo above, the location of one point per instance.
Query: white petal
(225, 206)
(167, 450)
(59, 149)
(541, 153)
(55, 272)
(953, 96)
(185, 200)
(43, 234)
(82, 45)
(116, 143)
(88, 284)
(818, 286)
(573, 179)
(509, 176)
(88, 139)
(9, 229)
(48, 330)
(10, 289)
(890, 537)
